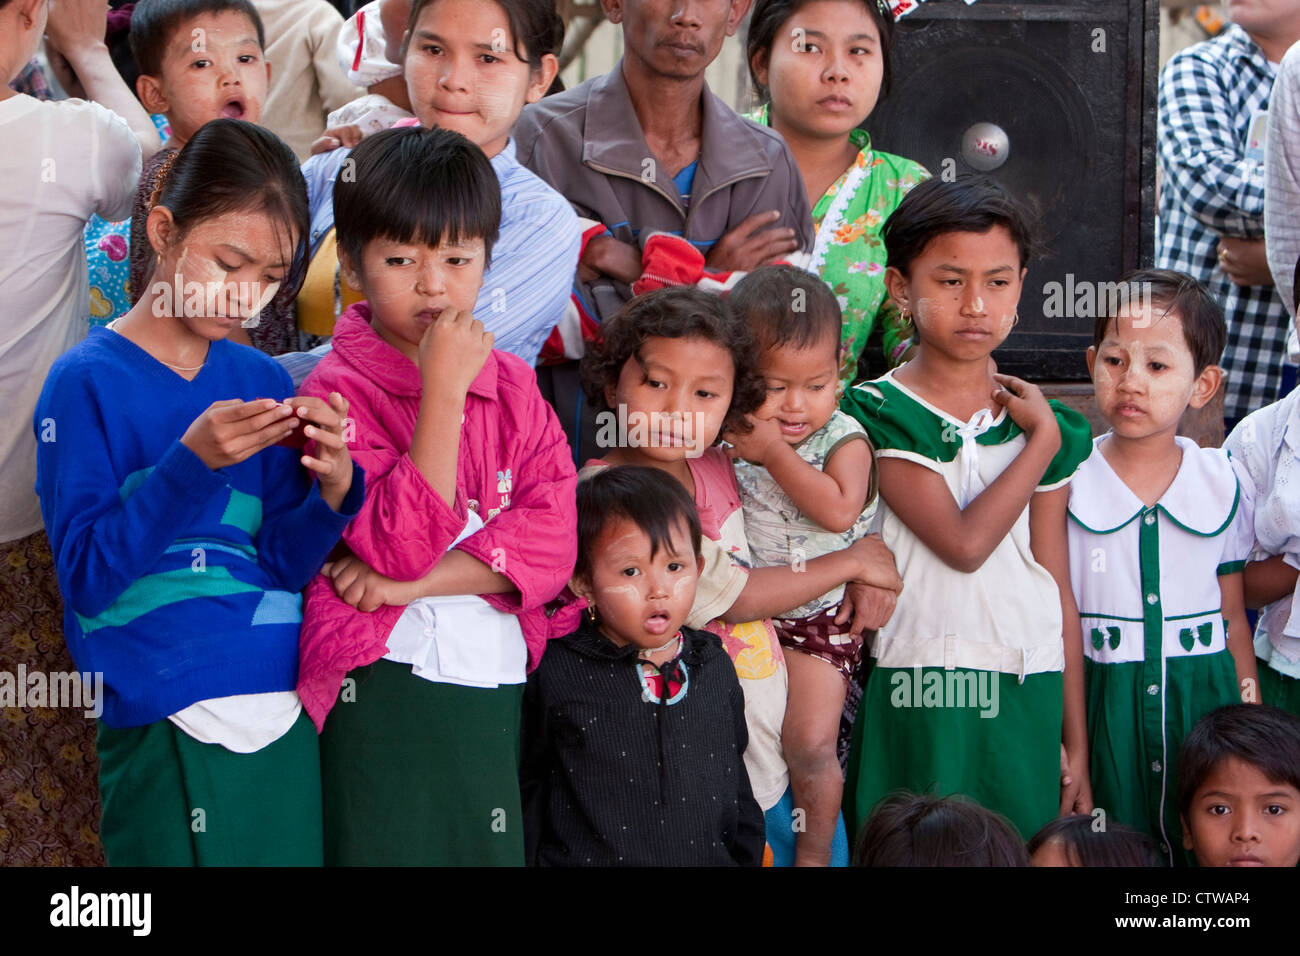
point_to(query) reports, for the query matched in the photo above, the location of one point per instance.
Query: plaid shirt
(1209, 94)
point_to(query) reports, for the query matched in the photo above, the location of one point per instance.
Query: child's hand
(324, 425)
(760, 442)
(1076, 788)
(363, 587)
(231, 431)
(453, 351)
(608, 256)
(876, 567)
(870, 607)
(1026, 406)
(336, 137)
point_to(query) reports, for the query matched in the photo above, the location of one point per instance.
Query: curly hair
(676, 313)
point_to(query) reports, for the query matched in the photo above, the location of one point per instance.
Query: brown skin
(1267, 581)
(1244, 261)
(667, 46)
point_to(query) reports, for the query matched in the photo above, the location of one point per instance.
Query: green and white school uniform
(1147, 586)
(966, 694)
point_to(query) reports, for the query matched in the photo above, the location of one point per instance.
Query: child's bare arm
(964, 538)
(1269, 580)
(1049, 543)
(773, 591)
(833, 496)
(1240, 643)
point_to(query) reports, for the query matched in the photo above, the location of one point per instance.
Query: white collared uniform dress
(1146, 581)
(966, 692)
(1267, 443)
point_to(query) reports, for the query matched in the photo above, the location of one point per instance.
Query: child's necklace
(662, 647)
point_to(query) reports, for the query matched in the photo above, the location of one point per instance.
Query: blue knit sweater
(180, 583)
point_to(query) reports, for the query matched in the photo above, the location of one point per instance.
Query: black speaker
(1057, 102)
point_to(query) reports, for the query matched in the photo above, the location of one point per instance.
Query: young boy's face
(801, 386)
(1239, 817)
(642, 599)
(213, 67)
(408, 284)
(1144, 375)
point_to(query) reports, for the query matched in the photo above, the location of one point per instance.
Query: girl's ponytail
(164, 169)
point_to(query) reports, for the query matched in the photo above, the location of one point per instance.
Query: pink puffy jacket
(515, 470)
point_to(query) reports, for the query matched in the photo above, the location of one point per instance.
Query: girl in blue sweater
(184, 527)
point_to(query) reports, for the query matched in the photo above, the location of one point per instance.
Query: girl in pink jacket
(416, 644)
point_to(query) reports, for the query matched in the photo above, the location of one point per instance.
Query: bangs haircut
(909, 829)
(785, 306)
(1177, 294)
(653, 501)
(1267, 738)
(155, 22)
(416, 186)
(967, 204)
(675, 313)
(1116, 845)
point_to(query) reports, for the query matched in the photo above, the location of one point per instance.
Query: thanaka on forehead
(184, 40)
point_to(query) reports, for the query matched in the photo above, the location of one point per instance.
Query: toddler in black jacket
(634, 726)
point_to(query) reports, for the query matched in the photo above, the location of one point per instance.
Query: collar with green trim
(1202, 498)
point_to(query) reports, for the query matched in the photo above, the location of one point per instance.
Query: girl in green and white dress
(821, 66)
(977, 686)
(1159, 533)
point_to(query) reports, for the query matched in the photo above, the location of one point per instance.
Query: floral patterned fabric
(854, 265)
(107, 248)
(49, 794)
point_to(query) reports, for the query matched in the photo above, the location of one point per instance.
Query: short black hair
(1267, 738)
(768, 16)
(785, 306)
(1175, 293)
(675, 312)
(909, 829)
(154, 21)
(652, 500)
(967, 204)
(416, 185)
(1113, 845)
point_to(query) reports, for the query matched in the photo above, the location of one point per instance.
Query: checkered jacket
(1208, 96)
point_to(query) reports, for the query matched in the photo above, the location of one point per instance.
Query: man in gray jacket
(648, 148)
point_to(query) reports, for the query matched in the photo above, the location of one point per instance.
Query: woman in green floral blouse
(821, 65)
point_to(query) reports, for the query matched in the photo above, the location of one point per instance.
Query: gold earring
(1015, 319)
(591, 612)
